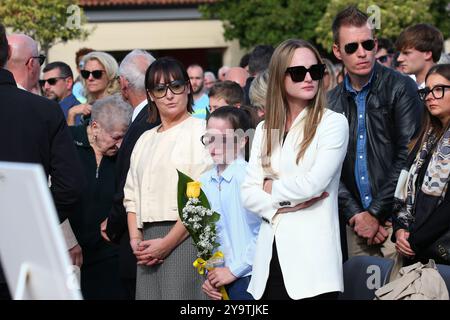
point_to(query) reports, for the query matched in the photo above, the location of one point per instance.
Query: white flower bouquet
(200, 221)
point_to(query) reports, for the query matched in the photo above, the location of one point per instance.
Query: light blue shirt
(237, 227)
(201, 106)
(78, 92)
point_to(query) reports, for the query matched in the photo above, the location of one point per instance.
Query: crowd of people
(308, 163)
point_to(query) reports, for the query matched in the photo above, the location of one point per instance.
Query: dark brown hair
(350, 16)
(429, 120)
(240, 119)
(422, 37)
(229, 91)
(165, 67)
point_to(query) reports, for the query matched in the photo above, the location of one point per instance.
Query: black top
(117, 227)
(96, 200)
(430, 233)
(34, 130)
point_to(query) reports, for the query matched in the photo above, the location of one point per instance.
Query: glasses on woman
(437, 92)
(298, 73)
(351, 47)
(97, 74)
(160, 90)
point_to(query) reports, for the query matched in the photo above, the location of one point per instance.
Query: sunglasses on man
(298, 73)
(41, 58)
(437, 92)
(160, 90)
(51, 81)
(351, 47)
(97, 74)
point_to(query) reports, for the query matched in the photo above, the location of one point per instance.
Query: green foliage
(46, 21)
(395, 16)
(440, 9)
(255, 22)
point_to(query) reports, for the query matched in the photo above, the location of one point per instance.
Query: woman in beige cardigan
(159, 240)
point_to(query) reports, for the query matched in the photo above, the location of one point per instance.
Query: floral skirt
(175, 278)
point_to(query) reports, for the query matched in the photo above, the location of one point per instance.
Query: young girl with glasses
(292, 181)
(227, 137)
(422, 221)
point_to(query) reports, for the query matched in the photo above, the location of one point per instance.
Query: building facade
(163, 27)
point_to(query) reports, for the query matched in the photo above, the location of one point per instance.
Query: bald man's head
(22, 48)
(237, 74)
(22, 62)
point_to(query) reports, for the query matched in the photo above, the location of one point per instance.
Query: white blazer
(308, 240)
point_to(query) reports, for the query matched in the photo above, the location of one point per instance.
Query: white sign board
(32, 248)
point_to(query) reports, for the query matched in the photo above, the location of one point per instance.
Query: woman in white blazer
(295, 163)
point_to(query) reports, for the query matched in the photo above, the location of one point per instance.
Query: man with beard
(57, 83)
(201, 100)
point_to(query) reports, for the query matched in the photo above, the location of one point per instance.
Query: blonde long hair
(277, 105)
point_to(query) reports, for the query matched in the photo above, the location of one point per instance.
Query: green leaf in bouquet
(182, 198)
(181, 195)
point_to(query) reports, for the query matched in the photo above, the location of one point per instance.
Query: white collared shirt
(21, 87)
(138, 109)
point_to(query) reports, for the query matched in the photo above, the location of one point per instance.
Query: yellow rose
(193, 189)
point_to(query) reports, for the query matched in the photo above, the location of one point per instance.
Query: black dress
(100, 277)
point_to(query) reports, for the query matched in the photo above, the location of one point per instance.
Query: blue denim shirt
(361, 171)
(67, 103)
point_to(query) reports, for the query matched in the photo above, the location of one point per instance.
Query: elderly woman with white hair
(97, 143)
(100, 78)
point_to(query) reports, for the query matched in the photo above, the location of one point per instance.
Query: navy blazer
(34, 130)
(117, 227)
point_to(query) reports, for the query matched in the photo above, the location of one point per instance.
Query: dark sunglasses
(383, 59)
(298, 73)
(437, 92)
(351, 47)
(160, 90)
(97, 74)
(41, 58)
(51, 81)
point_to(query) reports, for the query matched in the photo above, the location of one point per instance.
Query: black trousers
(275, 287)
(129, 285)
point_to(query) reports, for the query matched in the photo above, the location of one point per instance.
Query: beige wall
(151, 36)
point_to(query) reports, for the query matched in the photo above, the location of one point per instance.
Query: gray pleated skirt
(175, 278)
